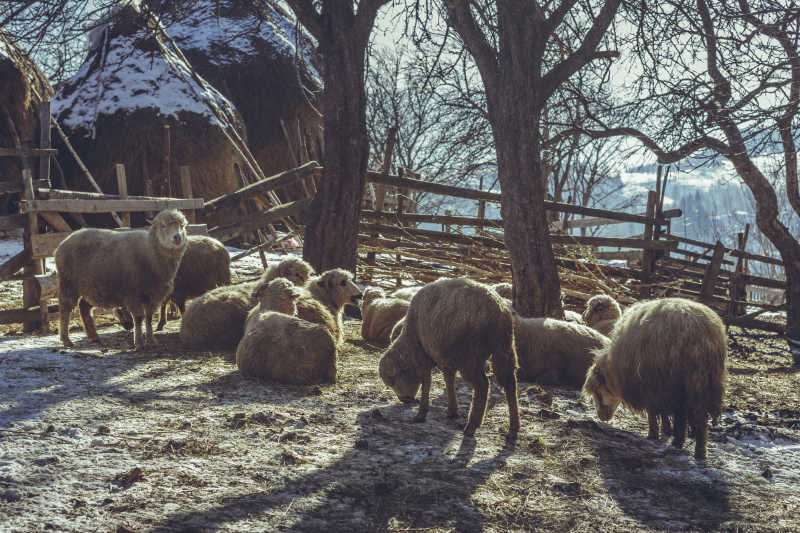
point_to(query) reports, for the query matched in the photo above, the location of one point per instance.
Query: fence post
(30, 288)
(648, 255)
(481, 214)
(186, 192)
(712, 273)
(44, 140)
(737, 289)
(166, 184)
(122, 190)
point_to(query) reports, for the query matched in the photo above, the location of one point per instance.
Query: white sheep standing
(130, 269)
(555, 352)
(327, 294)
(665, 357)
(380, 315)
(456, 325)
(282, 347)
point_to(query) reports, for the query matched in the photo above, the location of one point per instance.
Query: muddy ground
(177, 440)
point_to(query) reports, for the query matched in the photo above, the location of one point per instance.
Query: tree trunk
(332, 222)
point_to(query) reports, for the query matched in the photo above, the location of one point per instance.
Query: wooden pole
(122, 189)
(648, 255)
(166, 184)
(44, 140)
(186, 192)
(30, 288)
(712, 273)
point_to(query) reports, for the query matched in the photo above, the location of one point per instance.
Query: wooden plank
(9, 222)
(107, 206)
(27, 152)
(55, 220)
(731, 252)
(600, 221)
(30, 289)
(60, 194)
(712, 273)
(18, 316)
(255, 221)
(48, 285)
(260, 187)
(122, 189)
(648, 257)
(407, 218)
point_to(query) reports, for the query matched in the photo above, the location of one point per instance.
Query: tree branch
(308, 16)
(460, 18)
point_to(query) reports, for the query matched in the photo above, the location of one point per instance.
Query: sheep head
(601, 307)
(399, 373)
(371, 294)
(292, 268)
(596, 386)
(169, 230)
(278, 295)
(339, 285)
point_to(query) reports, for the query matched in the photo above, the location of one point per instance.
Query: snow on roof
(121, 74)
(231, 39)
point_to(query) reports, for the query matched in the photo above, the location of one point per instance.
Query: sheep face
(294, 269)
(505, 290)
(601, 307)
(169, 228)
(371, 294)
(605, 402)
(278, 295)
(402, 379)
(339, 285)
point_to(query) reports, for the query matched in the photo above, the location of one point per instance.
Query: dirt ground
(177, 440)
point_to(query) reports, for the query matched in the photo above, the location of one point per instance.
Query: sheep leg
(424, 399)
(88, 321)
(652, 421)
(148, 317)
(162, 316)
(700, 428)
(65, 306)
(506, 374)
(679, 430)
(138, 344)
(480, 397)
(666, 425)
(450, 386)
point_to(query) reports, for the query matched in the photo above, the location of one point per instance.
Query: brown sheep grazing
(380, 315)
(555, 352)
(205, 265)
(327, 295)
(665, 357)
(457, 325)
(602, 312)
(129, 269)
(281, 347)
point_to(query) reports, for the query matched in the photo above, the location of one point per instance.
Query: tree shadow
(656, 484)
(399, 474)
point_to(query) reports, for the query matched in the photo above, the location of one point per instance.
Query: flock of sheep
(665, 357)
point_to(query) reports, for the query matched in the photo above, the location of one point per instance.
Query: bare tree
(525, 52)
(723, 78)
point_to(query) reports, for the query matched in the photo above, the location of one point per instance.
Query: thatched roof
(22, 85)
(249, 53)
(133, 81)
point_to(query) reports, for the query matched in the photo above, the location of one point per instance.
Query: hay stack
(133, 81)
(249, 54)
(22, 81)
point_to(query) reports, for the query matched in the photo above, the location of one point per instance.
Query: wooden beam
(55, 220)
(600, 221)
(260, 187)
(19, 316)
(712, 273)
(10, 267)
(122, 189)
(44, 139)
(27, 152)
(729, 251)
(9, 222)
(256, 221)
(15, 186)
(407, 218)
(107, 206)
(186, 192)
(648, 257)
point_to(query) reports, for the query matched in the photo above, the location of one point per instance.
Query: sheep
(665, 357)
(505, 290)
(406, 293)
(217, 318)
(327, 295)
(457, 325)
(130, 269)
(380, 315)
(281, 347)
(205, 265)
(555, 352)
(572, 316)
(397, 329)
(602, 312)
